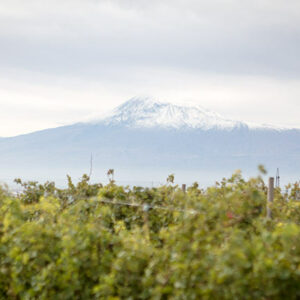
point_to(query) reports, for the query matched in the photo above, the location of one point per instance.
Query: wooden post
(270, 197)
(184, 188)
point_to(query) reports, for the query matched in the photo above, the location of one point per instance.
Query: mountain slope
(146, 139)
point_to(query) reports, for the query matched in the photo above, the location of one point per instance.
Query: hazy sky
(63, 60)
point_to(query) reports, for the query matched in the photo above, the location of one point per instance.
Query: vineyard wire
(146, 207)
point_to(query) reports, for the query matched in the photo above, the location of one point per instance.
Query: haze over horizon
(64, 60)
(144, 140)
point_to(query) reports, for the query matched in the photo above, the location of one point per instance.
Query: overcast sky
(63, 60)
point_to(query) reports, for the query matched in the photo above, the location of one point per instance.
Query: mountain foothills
(144, 136)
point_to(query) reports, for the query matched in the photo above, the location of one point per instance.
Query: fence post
(184, 188)
(270, 197)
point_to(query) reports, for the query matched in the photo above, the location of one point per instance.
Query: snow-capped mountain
(144, 139)
(151, 113)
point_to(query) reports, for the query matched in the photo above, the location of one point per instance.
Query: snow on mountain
(150, 113)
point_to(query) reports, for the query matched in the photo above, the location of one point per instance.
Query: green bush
(90, 241)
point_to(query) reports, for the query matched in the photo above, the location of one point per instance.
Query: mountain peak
(146, 112)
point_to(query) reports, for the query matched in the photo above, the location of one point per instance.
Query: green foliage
(262, 169)
(32, 191)
(90, 241)
(171, 178)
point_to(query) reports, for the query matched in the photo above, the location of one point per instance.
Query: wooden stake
(270, 197)
(184, 188)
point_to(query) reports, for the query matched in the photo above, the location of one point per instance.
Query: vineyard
(94, 241)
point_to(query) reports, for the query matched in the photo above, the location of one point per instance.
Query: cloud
(239, 37)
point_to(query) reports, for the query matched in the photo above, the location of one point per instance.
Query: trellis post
(270, 197)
